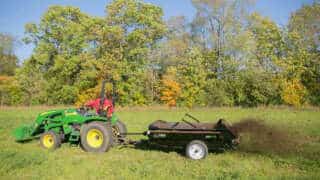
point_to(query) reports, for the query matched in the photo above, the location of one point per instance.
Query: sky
(14, 14)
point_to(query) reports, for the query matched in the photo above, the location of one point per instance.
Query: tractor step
(74, 136)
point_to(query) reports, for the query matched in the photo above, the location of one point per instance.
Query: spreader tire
(96, 137)
(196, 150)
(50, 140)
(119, 130)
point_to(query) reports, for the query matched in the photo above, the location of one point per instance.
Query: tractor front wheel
(50, 140)
(96, 137)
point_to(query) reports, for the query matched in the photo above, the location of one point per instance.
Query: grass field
(302, 161)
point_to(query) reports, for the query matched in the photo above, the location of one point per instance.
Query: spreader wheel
(50, 140)
(96, 137)
(196, 150)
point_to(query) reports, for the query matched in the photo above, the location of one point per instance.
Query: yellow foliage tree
(5, 83)
(293, 92)
(87, 95)
(10, 93)
(5, 79)
(91, 94)
(171, 90)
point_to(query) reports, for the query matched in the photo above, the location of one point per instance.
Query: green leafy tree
(192, 78)
(306, 22)
(8, 61)
(225, 56)
(32, 83)
(219, 27)
(10, 93)
(304, 48)
(269, 43)
(60, 40)
(74, 52)
(141, 26)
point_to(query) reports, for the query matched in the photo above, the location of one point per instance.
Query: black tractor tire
(119, 130)
(196, 150)
(50, 140)
(96, 137)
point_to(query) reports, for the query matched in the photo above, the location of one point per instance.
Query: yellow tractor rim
(94, 138)
(48, 141)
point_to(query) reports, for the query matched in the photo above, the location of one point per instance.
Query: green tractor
(93, 131)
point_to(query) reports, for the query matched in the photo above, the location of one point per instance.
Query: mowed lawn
(30, 161)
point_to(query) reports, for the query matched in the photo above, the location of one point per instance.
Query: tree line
(226, 55)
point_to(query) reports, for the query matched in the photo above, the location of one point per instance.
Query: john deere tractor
(93, 131)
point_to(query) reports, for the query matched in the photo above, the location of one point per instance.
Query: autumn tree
(170, 88)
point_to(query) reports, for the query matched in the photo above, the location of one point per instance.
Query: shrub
(293, 92)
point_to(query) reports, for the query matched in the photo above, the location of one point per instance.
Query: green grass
(30, 161)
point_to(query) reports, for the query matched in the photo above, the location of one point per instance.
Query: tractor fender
(95, 118)
(107, 123)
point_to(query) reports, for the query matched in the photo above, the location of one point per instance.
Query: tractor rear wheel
(119, 130)
(96, 137)
(50, 140)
